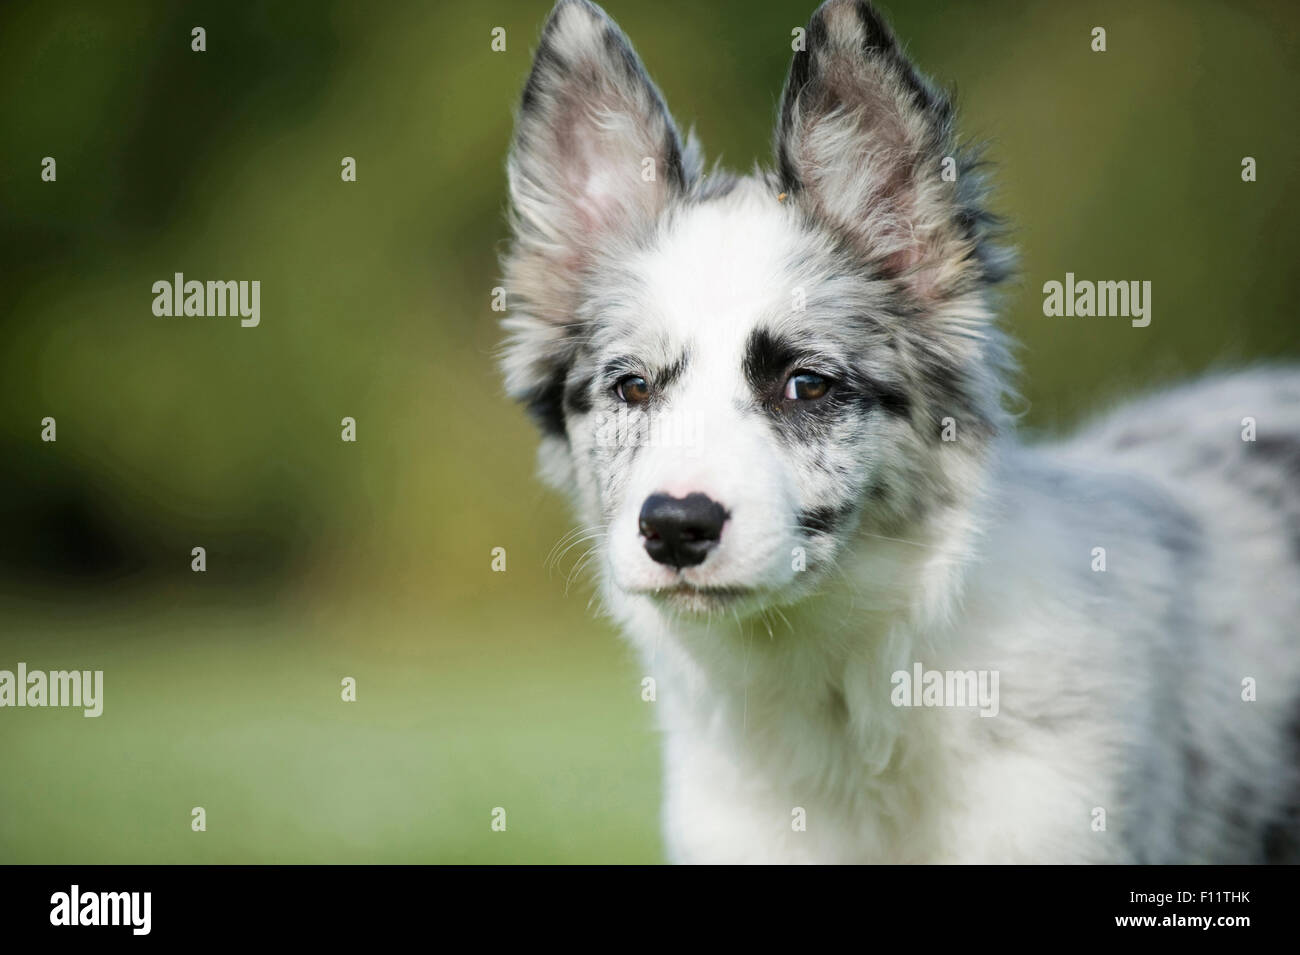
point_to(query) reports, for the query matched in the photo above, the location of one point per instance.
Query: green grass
(242, 715)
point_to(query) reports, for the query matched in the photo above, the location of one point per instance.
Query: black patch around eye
(616, 368)
(657, 378)
(767, 359)
(877, 394)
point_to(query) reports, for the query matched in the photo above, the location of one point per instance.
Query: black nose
(681, 530)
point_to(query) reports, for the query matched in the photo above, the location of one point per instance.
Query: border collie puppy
(879, 628)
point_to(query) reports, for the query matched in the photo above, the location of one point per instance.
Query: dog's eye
(806, 386)
(633, 389)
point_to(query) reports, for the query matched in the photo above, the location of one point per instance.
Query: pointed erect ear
(865, 143)
(595, 156)
(595, 159)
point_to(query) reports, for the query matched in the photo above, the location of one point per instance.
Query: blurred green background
(372, 560)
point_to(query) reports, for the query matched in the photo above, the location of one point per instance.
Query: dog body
(840, 499)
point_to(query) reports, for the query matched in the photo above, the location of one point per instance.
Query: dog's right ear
(595, 159)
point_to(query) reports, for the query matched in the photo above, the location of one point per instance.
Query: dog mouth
(700, 599)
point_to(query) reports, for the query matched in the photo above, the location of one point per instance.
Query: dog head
(738, 377)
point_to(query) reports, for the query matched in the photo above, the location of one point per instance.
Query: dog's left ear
(865, 143)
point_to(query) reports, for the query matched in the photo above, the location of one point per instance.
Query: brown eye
(806, 386)
(633, 390)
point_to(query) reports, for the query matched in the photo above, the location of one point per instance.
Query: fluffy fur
(894, 520)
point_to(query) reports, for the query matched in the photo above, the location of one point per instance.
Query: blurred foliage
(328, 559)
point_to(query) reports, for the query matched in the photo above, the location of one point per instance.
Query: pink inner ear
(904, 260)
(596, 198)
(601, 178)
